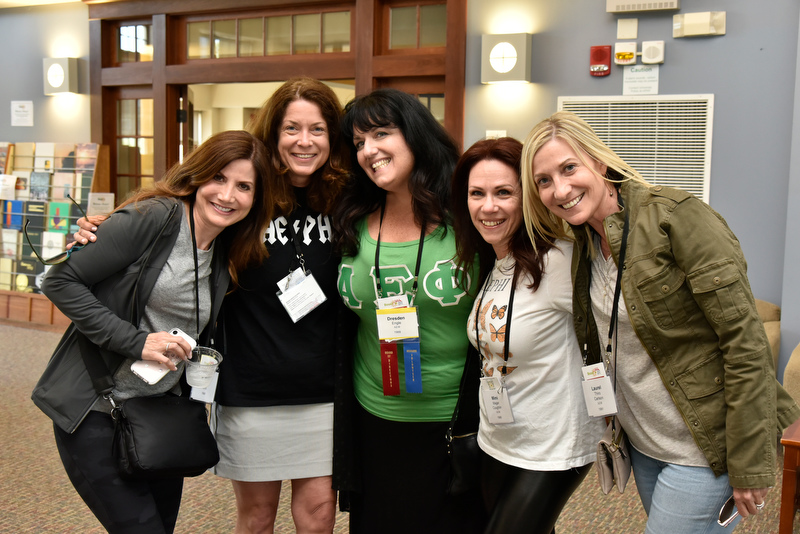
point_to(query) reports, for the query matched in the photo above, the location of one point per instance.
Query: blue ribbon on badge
(413, 366)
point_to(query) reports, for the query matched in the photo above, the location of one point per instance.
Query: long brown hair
(528, 255)
(245, 239)
(327, 182)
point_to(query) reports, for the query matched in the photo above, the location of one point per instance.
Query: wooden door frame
(167, 73)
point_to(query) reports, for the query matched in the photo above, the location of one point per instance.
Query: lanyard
(612, 325)
(508, 316)
(378, 255)
(297, 249)
(196, 269)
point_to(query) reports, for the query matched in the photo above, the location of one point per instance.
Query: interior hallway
(37, 497)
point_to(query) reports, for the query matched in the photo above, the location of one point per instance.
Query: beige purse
(613, 458)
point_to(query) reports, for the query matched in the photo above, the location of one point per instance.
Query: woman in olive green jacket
(690, 363)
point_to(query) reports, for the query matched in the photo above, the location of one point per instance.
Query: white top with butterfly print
(551, 429)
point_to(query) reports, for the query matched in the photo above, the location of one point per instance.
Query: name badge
(300, 294)
(598, 391)
(207, 393)
(496, 403)
(397, 323)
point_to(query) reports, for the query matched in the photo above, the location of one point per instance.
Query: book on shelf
(36, 212)
(7, 266)
(58, 213)
(29, 279)
(23, 186)
(12, 243)
(62, 185)
(23, 156)
(85, 156)
(39, 186)
(100, 204)
(44, 157)
(8, 186)
(53, 244)
(12, 214)
(83, 186)
(65, 157)
(6, 157)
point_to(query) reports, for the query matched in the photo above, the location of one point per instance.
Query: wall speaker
(652, 52)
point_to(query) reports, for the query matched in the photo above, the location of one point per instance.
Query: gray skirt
(269, 443)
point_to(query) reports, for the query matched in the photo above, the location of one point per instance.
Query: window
(134, 145)
(134, 43)
(421, 26)
(435, 103)
(308, 33)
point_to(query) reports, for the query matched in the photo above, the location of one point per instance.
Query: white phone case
(149, 371)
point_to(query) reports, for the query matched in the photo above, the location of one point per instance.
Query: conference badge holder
(398, 329)
(598, 391)
(300, 293)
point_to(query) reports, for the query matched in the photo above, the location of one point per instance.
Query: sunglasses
(60, 258)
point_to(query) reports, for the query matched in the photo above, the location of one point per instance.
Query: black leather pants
(519, 501)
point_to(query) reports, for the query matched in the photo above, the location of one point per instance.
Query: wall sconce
(506, 58)
(60, 75)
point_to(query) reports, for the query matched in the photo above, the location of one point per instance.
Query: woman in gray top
(126, 290)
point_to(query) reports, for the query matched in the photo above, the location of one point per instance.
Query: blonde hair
(584, 141)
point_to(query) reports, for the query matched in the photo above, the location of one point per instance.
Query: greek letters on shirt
(442, 283)
(318, 227)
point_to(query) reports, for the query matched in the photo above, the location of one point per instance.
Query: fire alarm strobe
(600, 60)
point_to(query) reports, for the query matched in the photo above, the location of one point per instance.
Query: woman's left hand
(749, 500)
(161, 346)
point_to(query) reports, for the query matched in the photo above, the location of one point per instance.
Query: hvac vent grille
(666, 138)
(625, 6)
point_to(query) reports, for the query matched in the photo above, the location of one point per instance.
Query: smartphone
(178, 332)
(149, 371)
(728, 512)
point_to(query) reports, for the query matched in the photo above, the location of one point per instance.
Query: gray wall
(28, 35)
(754, 71)
(790, 320)
(751, 70)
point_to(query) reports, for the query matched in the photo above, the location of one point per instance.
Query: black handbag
(462, 433)
(165, 436)
(157, 436)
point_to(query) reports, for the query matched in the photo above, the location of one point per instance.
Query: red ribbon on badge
(391, 374)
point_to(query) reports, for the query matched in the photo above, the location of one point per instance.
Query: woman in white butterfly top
(539, 439)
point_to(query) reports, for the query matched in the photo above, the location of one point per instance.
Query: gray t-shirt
(170, 305)
(646, 411)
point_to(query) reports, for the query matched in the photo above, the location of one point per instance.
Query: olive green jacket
(688, 298)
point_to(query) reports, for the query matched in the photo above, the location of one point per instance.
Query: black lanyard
(507, 338)
(297, 249)
(612, 325)
(196, 269)
(378, 255)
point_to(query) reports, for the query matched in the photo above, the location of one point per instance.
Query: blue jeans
(678, 498)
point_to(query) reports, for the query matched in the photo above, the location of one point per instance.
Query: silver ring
(759, 506)
(167, 349)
